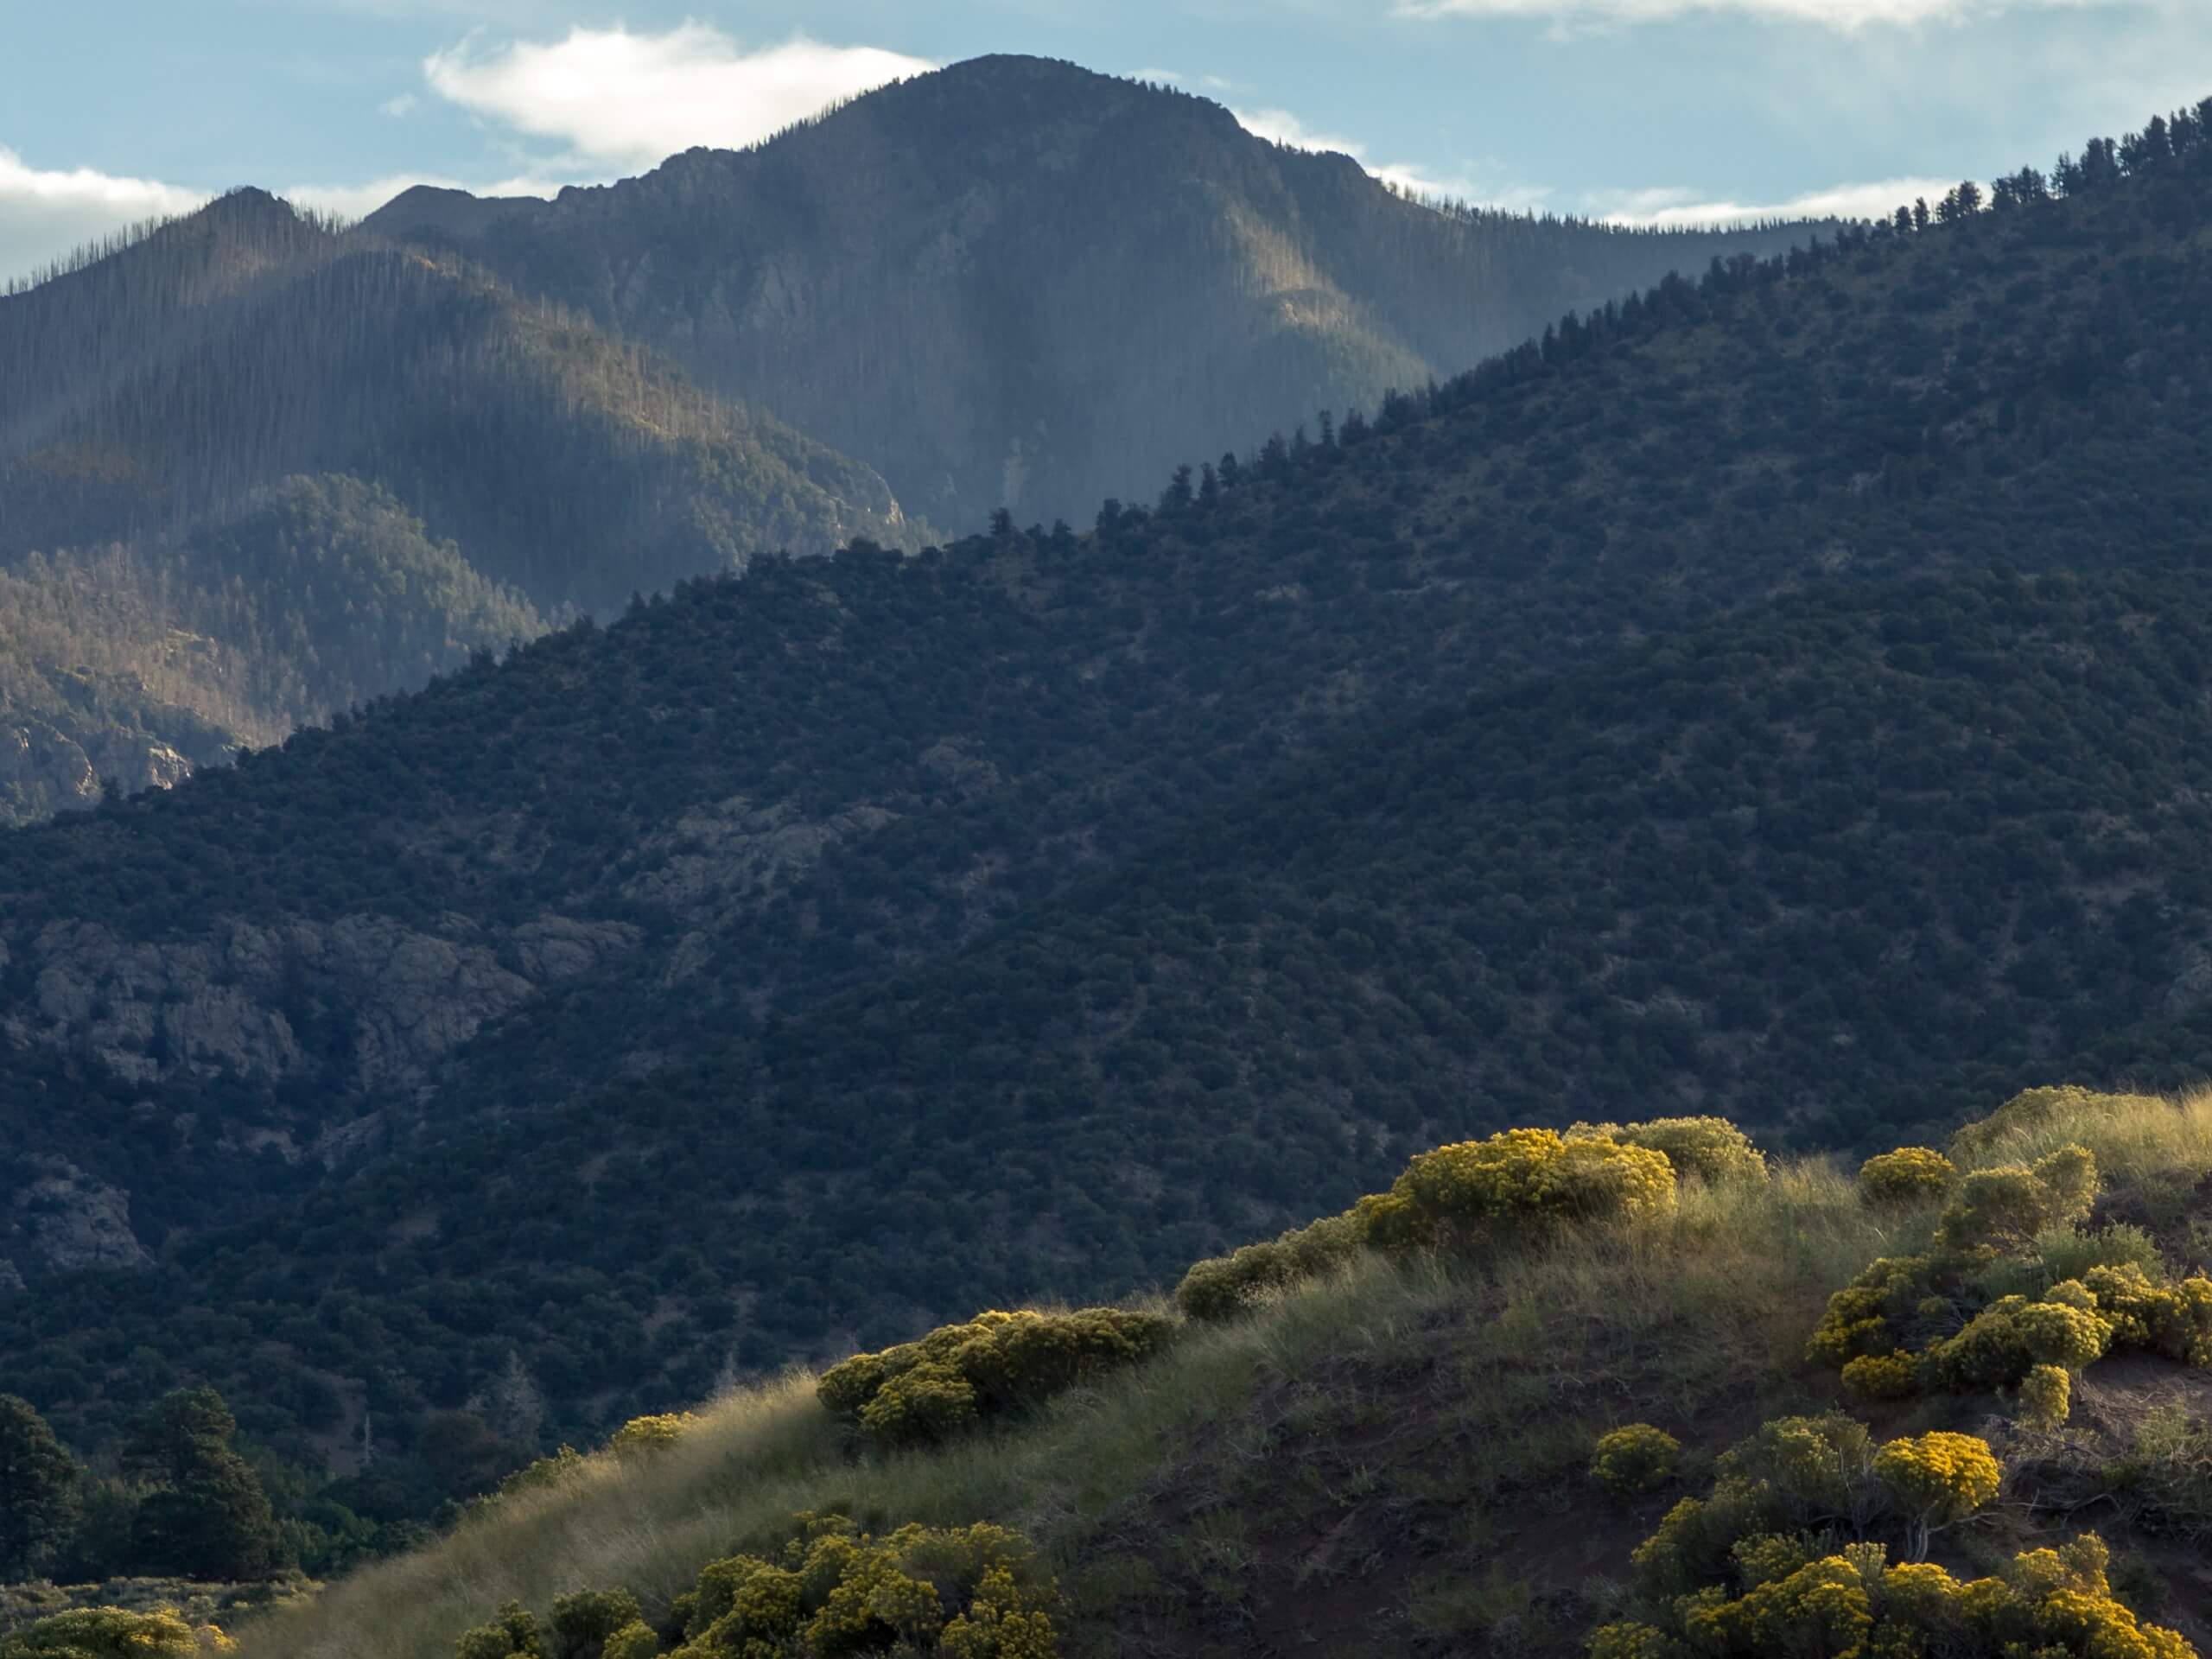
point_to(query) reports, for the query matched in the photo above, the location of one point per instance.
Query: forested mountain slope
(132, 664)
(155, 396)
(1781, 692)
(576, 468)
(1014, 283)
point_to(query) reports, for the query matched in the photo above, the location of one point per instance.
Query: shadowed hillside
(1780, 692)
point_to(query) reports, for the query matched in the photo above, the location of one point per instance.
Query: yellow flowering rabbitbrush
(996, 1363)
(1711, 1149)
(113, 1633)
(2047, 1604)
(1937, 1479)
(1227, 1285)
(1529, 1177)
(642, 1435)
(1909, 1176)
(2046, 1397)
(1637, 1459)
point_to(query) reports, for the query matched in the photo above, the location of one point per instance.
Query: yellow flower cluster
(1521, 1176)
(98, 1632)
(1710, 1148)
(1513, 1183)
(2070, 1325)
(1864, 1317)
(1939, 1477)
(1227, 1285)
(1637, 1459)
(644, 1434)
(2175, 1320)
(2053, 1604)
(923, 1391)
(1909, 1176)
(1882, 1376)
(2046, 1397)
(2012, 1336)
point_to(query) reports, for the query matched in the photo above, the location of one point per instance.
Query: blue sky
(114, 110)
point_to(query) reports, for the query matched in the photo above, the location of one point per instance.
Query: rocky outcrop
(43, 771)
(242, 997)
(64, 1220)
(51, 765)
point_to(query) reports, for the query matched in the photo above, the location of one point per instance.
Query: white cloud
(44, 215)
(405, 104)
(1846, 15)
(1679, 208)
(621, 99)
(1281, 127)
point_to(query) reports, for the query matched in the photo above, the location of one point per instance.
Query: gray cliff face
(59, 766)
(64, 1220)
(250, 999)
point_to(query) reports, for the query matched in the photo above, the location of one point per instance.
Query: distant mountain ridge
(1011, 283)
(1014, 282)
(249, 353)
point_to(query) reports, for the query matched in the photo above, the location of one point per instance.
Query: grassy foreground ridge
(1393, 1455)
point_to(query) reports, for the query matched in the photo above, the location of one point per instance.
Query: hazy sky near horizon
(1637, 109)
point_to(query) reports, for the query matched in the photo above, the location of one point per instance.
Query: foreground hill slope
(158, 396)
(1395, 1456)
(1551, 744)
(1014, 282)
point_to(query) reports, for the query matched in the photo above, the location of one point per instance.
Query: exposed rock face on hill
(63, 1221)
(46, 767)
(275, 1002)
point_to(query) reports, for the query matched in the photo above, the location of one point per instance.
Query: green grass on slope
(1542, 1351)
(1386, 1458)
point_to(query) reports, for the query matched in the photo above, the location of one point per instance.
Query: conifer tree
(208, 1517)
(38, 1487)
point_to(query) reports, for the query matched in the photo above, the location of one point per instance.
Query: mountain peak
(247, 205)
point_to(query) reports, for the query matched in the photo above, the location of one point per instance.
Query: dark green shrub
(965, 1592)
(513, 1635)
(2008, 1206)
(584, 1622)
